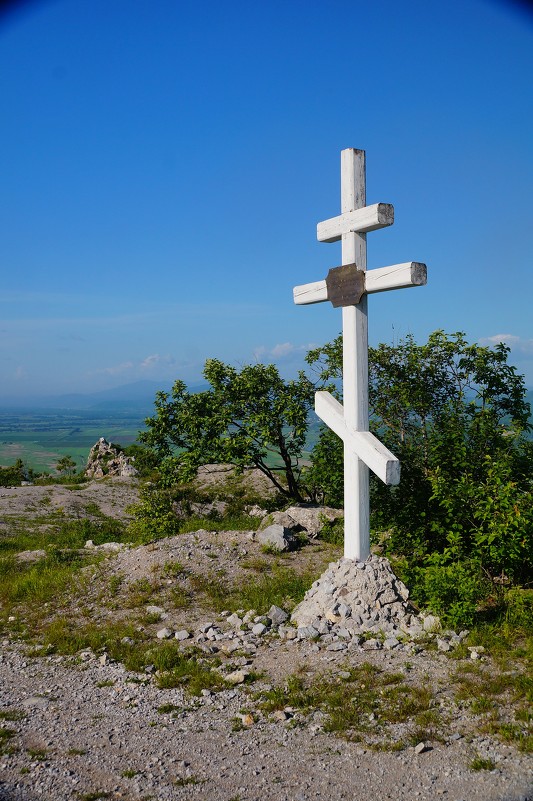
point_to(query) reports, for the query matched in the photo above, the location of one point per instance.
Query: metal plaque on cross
(347, 287)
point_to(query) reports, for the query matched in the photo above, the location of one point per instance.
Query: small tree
(14, 475)
(249, 418)
(66, 465)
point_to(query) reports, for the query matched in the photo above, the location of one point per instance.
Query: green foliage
(454, 590)
(14, 475)
(66, 465)
(145, 459)
(248, 418)
(155, 517)
(479, 763)
(165, 511)
(325, 478)
(333, 531)
(455, 415)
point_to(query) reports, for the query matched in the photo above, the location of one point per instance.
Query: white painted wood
(397, 276)
(361, 449)
(357, 220)
(363, 443)
(379, 459)
(306, 294)
(355, 364)
(331, 412)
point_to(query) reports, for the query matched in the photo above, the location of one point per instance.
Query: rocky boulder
(303, 517)
(276, 537)
(108, 460)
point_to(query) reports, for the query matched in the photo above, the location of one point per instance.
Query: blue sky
(164, 165)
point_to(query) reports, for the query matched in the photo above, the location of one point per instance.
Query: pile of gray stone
(358, 597)
(324, 619)
(237, 631)
(352, 605)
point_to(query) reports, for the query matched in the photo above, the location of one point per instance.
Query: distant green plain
(41, 437)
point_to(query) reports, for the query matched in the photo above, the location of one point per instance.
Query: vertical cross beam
(348, 286)
(355, 366)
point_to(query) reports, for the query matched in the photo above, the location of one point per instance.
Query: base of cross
(354, 599)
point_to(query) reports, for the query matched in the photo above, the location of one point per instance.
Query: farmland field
(41, 437)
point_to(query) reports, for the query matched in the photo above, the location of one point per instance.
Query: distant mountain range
(138, 396)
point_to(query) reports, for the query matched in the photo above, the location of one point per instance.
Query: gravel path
(84, 729)
(90, 729)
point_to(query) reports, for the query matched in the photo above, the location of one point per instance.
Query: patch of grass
(333, 531)
(37, 753)
(497, 695)
(141, 592)
(256, 563)
(40, 582)
(167, 709)
(515, 733)
(108, 683)
(12, 714)
(76, 752)
(62, 636)
(56, 530)
(364, 701)
(149, 618)
(180, 598)
(229, 522)
(188, 670)
(175, 667)
(184, 781)
(483, 683)
(478, 763)
(283, 586)
(115, 583)
(5, 736)
(481, 705)
(129, 774)
(173, 569)
(95, 795)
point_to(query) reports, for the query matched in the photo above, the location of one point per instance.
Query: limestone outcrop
(106, 459)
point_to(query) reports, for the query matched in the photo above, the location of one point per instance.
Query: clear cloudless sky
(163, 165)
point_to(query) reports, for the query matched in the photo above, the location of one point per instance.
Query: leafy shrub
(453, 590)
(14, 475)
(155, 517)
(455, 415)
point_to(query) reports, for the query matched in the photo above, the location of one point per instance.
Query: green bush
(453, 590)
(155, 517)
(13, 476)
(455, 415)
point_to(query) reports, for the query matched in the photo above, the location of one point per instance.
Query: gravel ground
(92, 729)
(84, 728)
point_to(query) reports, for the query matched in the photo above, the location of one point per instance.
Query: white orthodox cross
(347, 286)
